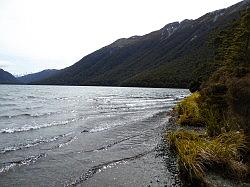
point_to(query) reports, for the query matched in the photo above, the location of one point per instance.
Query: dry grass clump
(215, 122)
(198, 152)
(192, 113)
(189, 111)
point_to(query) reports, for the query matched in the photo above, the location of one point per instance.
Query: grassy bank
(217, 148)
(221, 106)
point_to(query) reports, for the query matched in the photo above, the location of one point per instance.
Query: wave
(98, 168)
(31, 97)
(98, 129)
(67, 142)
(30, 127)
(36, 115)
(32, 143)
(62, 98)
(28, 97)
(6, 99)
(7, 104)
(134, 120)
(25, 161)
(179, 97)
(105, 147)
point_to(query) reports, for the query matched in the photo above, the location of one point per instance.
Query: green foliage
(195, 85)
(239, 102)
(214, 96)
(227, 90)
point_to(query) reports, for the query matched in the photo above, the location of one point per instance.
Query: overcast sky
(46, 34)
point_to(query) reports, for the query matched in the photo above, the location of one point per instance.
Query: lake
(85, 136)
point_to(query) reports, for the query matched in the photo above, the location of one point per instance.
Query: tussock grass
(189, 111)
(214, 122)
(193, 113)
(197, 152)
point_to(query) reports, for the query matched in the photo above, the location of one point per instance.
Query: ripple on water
(32, 127)
(26, 161)
(33, 143)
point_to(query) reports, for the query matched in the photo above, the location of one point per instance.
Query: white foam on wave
(127, 119)
(30, 127)
(98, 129)
(33, 143)
(7, 168)
(178, 97)
(68, 142)
(106, 126)
(26, 161)
(28, 115)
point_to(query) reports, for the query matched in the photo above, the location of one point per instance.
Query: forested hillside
(174, 56)
(33, 77)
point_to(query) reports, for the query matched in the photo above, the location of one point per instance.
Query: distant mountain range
(7, 78)
(33, 77)
(170, 57)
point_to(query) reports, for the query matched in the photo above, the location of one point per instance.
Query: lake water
(85, 136)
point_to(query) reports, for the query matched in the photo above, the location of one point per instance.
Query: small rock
(84, 131)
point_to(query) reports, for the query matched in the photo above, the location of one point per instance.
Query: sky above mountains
(48, 34)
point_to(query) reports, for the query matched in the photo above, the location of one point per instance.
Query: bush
(194, 86)
(214, 96)
(239, 100)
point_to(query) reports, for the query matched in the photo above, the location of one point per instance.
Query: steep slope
(37, 76)
(170, 57)
(7, 78)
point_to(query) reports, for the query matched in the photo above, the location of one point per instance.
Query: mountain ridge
(170, 57)
(37, 76)
(7, 78)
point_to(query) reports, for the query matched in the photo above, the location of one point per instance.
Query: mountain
(7, 78)
(37, 76)
(173, 56)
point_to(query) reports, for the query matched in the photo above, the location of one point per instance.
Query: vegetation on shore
(197, 152)
(220, 104)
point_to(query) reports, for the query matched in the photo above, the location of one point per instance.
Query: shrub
(194, 86)
(214, 96)
(239, 100)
